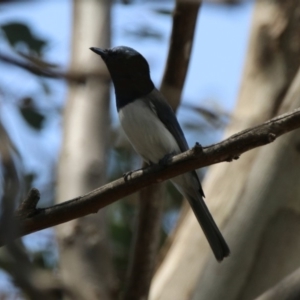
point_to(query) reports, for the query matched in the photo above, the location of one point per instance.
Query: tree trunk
(85, 260)
(256, 205)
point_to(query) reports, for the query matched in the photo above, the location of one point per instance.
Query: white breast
(147, 134)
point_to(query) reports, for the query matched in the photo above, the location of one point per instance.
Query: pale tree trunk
(255, 199)
(286, 289)
(85, 260)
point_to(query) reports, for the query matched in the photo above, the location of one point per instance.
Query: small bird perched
(153, 130)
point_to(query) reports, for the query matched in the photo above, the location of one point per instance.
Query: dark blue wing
(164, 112)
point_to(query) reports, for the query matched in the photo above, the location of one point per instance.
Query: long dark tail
(209, 227)
(189, 185)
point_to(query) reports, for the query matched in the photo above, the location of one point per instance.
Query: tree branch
(181, 42)
(195, 158)
(48, 72)
(146, 242)
(28, 205)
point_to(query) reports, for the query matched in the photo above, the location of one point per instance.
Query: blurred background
(60, 132)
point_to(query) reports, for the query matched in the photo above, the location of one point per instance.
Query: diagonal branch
(48, 72)
(194, 158)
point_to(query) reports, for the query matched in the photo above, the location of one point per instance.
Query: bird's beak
(102, 52)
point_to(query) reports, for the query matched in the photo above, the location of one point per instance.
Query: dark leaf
(143, 32)
(163, 11)
(45, 86)
(17, 33)
(34, 118)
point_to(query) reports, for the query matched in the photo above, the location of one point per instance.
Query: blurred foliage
(45, 258)
(121, 216)
(19, 34)
(206, 118)
(163, 11)
(144, 32)
(30, 48)
(31, 115)
(21, 37)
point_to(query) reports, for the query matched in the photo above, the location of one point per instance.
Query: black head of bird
(129, 71)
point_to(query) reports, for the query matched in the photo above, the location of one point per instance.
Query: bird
(154, 131)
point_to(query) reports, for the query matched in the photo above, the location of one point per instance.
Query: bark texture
(286, 289)
(253, 200)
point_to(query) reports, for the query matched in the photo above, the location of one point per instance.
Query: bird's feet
(198, 148)
(128, 174)
(166, 159)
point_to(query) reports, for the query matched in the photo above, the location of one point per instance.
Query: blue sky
(218, 53)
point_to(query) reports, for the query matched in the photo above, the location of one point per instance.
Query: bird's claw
(166, 159)
(127, 174)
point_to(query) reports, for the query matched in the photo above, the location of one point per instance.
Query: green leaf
(17, 33)
(34, 118)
